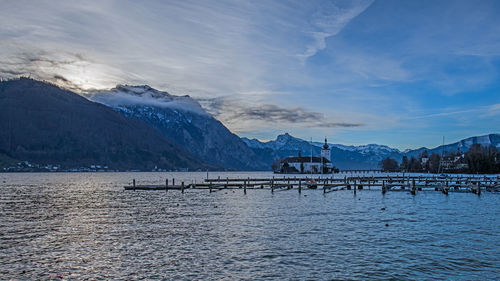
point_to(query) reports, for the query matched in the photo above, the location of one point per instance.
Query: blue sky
(401, 73)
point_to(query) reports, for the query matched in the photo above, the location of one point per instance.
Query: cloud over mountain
(238, 112)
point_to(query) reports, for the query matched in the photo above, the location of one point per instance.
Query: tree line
(478, 159)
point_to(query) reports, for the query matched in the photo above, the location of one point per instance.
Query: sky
(401, 73)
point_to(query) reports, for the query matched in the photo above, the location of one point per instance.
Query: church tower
(325, 151)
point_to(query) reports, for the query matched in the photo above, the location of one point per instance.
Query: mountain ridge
(362, 156)
(43, 123)
(183, 121)
(178, 123)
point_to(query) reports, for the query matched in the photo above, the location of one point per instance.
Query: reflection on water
(85, 226)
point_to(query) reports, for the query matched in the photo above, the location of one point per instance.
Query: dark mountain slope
(46, 124)
(183, 121)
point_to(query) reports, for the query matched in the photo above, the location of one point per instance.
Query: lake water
(85, 226)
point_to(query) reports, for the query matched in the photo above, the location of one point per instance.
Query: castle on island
(309, 164)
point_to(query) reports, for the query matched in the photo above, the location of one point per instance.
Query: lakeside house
(454, 162)
(309, 164)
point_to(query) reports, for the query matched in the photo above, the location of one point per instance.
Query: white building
(325, 151)
(308, 164)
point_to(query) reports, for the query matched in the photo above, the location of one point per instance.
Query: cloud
(71, 70)
(330, 19)
(200, 48)
(124, 95)
(241, 115)
(397, 58)
(483, 111)
(492, 110)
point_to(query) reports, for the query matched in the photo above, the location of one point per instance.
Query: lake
(85, 226)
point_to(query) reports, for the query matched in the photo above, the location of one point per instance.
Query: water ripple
(85, 226)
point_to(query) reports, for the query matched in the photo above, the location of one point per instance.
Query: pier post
(383, 187)
(182, 187)
(300, 186)
(210, 187)
(166, 185)
(245, 188)
(413, 188)
(272, 185)
(355, 186)
(173, 181)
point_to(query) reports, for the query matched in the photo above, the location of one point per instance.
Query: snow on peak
(144, 95)
(293, 143)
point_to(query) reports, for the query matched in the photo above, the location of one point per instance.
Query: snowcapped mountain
(57, 126)
(344, 157)
(357, 157)
(125, 96)
(285, 142)
(464, 145)
(364, 149)
(183, 121)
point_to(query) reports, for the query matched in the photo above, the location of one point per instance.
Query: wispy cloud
(241, 115)
(329, 19)
(68, 69)
(398, 59)
(484, 111)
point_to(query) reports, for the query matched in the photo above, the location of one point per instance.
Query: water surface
(85, 226)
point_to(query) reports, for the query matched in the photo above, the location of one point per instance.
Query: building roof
(325, 146)
(306, 159)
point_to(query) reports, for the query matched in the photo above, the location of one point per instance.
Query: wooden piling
(413, 188)
(300, 186)
(245, 188)
(182, 187)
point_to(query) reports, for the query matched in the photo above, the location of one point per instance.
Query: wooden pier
(409, 183)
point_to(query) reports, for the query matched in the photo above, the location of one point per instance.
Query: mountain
(355, 157)
(464, 145)
(183, 121)
(43, 123)
(343, 157)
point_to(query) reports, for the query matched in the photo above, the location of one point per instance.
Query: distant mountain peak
(284, 137)
(142, 90)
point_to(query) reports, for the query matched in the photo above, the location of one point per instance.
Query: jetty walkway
(385, 183)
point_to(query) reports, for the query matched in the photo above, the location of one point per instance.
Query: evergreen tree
(389, 164)
(404, 163)
(434, 160)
